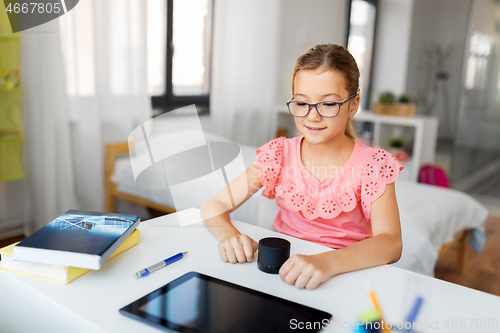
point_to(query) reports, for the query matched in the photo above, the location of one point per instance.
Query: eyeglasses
(326, 109)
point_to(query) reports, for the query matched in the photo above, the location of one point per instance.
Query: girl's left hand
(306, 271)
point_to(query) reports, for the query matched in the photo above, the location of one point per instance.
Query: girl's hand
(237, 248)
(307, 271)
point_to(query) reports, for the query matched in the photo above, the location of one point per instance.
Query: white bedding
(430, 216)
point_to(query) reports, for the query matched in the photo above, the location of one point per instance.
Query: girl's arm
(383, 248)
(233, 246)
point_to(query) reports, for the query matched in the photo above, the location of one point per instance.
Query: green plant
(405, 98)
(387, 97)
(397, 143)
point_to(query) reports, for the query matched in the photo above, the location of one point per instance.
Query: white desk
(91, 302)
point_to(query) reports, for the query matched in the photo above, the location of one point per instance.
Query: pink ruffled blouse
(334, 212)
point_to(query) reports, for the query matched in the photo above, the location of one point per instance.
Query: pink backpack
(433, 175)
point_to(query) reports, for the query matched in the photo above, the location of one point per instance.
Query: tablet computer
(199, 303)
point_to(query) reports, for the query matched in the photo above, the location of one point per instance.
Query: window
(360, 42)
(179, 50)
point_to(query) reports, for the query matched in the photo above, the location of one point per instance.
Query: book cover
(57, 273)
(80, 239)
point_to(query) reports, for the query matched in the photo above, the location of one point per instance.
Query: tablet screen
(199, 303)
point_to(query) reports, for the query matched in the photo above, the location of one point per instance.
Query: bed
(431, 217)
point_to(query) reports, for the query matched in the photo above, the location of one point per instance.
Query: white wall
(243, 90)
(479, 117)
(392, 47)
(304, 24)
(12, 208)
(437, 24)
(293, 26)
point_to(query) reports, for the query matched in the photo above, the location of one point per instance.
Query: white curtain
(49, 172)
(104, 50)
(84, 78)
(245, 44)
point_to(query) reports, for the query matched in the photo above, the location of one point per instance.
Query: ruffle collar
(379, 168)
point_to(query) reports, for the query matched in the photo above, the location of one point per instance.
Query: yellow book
(57, 273)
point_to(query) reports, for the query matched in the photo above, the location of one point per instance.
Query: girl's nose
(314, 114)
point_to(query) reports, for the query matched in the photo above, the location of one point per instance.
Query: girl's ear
(354, 106)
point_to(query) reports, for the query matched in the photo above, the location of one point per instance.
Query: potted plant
(387, 105)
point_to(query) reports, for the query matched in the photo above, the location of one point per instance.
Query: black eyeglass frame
(310, 105)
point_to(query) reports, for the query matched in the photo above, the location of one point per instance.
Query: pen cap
(273, 252)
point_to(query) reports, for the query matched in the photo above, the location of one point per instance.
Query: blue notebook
(81, 239)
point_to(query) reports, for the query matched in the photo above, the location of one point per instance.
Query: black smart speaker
(273, 252)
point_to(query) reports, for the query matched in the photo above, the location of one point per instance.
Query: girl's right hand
(237, 248)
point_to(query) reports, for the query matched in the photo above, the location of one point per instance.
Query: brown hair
(331, 57)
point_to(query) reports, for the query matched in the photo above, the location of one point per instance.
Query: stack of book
(71, 245)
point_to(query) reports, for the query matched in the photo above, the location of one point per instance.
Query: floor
(483, 270)
(488, 186)
(491, 203)
(477, 173)
(470, 162)
(474, 171)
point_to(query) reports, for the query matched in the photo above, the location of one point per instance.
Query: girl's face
(314, 86)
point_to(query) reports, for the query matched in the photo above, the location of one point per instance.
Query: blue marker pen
(161, 264)
(413, 313)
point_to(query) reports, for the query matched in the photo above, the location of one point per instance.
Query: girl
(331, 189)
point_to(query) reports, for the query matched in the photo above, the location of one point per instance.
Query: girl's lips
(315, 129)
